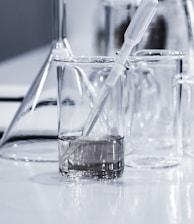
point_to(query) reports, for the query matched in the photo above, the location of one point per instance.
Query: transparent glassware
(114, 20)
(32, 134)
(171, 28)
(153, 140)
(186, 114)
(101, 153)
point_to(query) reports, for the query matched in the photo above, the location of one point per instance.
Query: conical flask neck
(61, 49)
(60, 41)
(59, 19)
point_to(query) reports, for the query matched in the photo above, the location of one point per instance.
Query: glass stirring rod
(132, 36)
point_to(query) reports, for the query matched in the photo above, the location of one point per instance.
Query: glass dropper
(133, 35)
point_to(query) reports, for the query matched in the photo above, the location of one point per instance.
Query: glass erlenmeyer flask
(32, 134)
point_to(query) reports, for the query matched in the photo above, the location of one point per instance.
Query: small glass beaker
(101, 153)
(153, 141)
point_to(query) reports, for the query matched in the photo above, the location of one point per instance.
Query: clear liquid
(100, 158)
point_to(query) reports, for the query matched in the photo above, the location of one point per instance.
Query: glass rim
(85, 59)
(156, 54)
(113, 2)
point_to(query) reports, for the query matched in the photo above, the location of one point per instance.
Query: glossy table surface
(36, 193)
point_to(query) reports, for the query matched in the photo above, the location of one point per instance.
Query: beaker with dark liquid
(100, 154)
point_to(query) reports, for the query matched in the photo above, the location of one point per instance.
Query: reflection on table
(35, 191)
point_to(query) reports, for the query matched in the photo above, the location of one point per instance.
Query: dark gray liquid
(100, 158)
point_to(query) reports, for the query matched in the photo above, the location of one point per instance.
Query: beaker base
(36, 150)
(92, 157)
(151, 162)
(96, 171)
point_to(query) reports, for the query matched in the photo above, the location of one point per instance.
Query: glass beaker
(153, 138)
(32, 134)
(101, 153)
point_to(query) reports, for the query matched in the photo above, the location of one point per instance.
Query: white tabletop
(36, 193)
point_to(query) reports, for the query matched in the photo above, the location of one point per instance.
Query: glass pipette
(133, 35)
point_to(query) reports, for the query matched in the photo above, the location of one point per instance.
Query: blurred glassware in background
(116, 18)
(172, 27)
(83, 18)
(35, 122)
